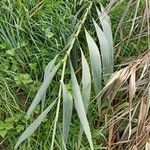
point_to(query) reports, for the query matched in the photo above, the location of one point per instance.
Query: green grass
(27, 45)
(32, 33)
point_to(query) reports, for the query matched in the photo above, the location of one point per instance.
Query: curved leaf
(49, 67)
(67, 111)
(95, 62)
(106, 25)
(33, 126)
(105, 51)
(47, 71)
(42, 90)
(86, 90)
(86, 81)
(79, 105)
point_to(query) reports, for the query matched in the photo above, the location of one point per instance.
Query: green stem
(63, 71)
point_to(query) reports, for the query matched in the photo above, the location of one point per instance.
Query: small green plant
(12, 125)
(23, 79)
(5, 128)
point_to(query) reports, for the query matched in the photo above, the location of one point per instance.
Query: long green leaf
(106, 25)
(95, 62)
(105, 51)
(79, 105)
(86, 90)
(47, 71)
(86, 82)
(67, 111)
(33, 126)
(42, 90)
(49, 67)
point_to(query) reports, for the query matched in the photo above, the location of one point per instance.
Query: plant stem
(63, 70)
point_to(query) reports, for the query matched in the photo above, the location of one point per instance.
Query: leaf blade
(105, 51)
(95, 62)
(86, 81)
(42, 90)
(49, 67)
(86, 90)
(79, 105)
(106, 25)
(34, 125)
(67, 111)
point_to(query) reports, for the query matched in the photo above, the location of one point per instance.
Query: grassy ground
(31, 34)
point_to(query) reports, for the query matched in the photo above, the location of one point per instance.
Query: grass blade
(86, 90)
(67, 111)
(104, 14)
(49, 67)
(42, 90)
(79, 105)
(47, 71)
(32, 127)
(132, 91)
(86, 81)
(105, 51)
(95, 62)
(134, 20)
(106, 25)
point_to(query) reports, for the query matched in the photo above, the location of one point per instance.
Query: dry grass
(129, 124)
